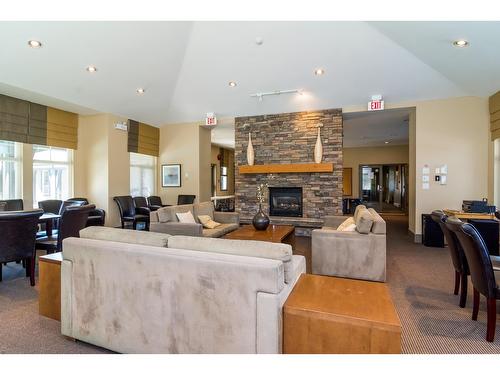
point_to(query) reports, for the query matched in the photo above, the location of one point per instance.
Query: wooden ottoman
(330, 315)
(49, 279)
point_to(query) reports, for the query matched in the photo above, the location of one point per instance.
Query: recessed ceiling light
(140, 91)
(386, 142)
(91, 69)
(34, 43)
(460, 43)
(319, 72)
(232, 83)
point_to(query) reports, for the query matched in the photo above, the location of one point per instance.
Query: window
(10, 170)
(142, 175)
(223, 178)
(52, 173)
(367, 178)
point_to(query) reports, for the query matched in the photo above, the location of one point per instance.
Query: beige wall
(102, 163)
(454, 132)
(187, 144)
(356, 156)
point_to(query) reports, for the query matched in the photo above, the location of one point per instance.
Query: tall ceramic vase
(318, 148)
(250, 152)
(260, 220)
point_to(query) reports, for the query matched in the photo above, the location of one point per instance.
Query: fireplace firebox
(285, 201)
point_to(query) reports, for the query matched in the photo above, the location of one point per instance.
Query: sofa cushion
(220, 230)
(207, 222)
(166, 214)
(364, 221)
(379, 226)
(347, 222)
(349, 228)
(204, 208)
(259, 249)
(126, 236)
(359, 208)
(185, 217)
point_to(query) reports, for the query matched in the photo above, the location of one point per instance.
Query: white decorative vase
(250, 152)
(318, 149)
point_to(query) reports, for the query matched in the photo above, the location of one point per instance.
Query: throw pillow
(364, 221)
(349, 228)
(186, 217)
(207, 222)
(346, 223)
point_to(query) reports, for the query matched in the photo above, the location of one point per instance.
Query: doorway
(383, 187)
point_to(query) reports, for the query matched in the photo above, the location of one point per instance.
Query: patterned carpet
(420, 279)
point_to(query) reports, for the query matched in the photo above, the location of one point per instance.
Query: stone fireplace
(285, 201)
(289, 138)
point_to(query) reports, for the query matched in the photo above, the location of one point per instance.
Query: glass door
(371, 186)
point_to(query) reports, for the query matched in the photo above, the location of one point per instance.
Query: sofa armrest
(227, 217)
(333, 221)
(185, 229)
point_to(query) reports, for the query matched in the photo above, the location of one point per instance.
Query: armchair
(97, 216)
(131, 214)
(18, 231)
(13, 204)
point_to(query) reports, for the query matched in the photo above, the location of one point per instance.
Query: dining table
(48, 219)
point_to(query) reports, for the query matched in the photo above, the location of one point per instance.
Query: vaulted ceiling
(185, 67)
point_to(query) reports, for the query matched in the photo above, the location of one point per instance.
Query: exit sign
(375, 105)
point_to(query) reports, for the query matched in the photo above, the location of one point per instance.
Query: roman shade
(25, 122)
(143, 138)
(495, 116)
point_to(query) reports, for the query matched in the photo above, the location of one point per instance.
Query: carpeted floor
(420, 279)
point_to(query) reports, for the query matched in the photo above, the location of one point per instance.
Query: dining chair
(457, 257)
(51, 205)
(131, 214)
(97, 217)
(13, 204)
(481, 271)
(18, 233)
(73, 219)
(155, 202)
(185, 199)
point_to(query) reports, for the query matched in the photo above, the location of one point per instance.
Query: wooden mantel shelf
(286, 168)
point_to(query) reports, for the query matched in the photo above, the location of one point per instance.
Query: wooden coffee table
(273, 233)
(331, 315)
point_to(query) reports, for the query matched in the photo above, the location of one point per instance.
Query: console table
(331, 315)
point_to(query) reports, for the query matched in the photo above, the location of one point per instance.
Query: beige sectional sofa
(358, 254)
(165, 220)
(142, 292)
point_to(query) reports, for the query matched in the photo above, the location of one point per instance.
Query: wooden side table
(330, 315)
(49, 280)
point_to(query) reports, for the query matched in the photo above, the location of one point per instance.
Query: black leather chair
(130, 214)
(142, 202)
(13, 204)
(97, 217)
(155, 202)
(457, 256)
(73, 219)
(481, 271)
(18, 233)
(51, 205)
(185, 199)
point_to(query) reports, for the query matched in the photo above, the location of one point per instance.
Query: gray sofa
(358, 254)
(165, 220)
(142, 292)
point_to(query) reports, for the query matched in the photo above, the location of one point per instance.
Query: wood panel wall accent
(495, 116)
(143, 138)
(347, 181)
(286, 168)
(26, 122)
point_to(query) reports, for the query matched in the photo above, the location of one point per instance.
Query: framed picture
(171, 175)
